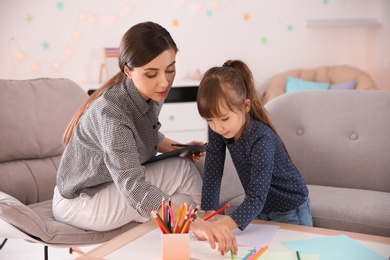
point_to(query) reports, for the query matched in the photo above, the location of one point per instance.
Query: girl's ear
(247, 105)
(127, 72)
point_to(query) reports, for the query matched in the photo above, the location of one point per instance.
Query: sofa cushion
(34, 115)
(347, 85)
(352, 210)
(295, 84)
(37, 220)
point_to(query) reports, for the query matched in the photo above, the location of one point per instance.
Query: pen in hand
(185, 145)
(181, 145)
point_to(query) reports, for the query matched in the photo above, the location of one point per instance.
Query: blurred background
(65, 38)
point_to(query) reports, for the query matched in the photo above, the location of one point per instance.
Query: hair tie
(226, 65)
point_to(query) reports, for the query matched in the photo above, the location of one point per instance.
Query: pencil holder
(175, 246)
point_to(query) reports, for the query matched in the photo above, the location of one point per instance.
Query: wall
(64, 38)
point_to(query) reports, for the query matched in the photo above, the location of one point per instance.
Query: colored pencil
(157, 219)
(258, 253)
(175, 229)
(231, 255)
(249, 254)
(163, 209)
(217, 212)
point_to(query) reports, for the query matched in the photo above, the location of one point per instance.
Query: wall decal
(60, 5)
(29, 18)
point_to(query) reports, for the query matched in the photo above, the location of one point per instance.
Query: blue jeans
(299, 216)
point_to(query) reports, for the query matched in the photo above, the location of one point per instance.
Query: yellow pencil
(186, 222)
(175, 229)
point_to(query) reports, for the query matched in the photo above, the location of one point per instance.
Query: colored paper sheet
(334, 248)
(288, 255)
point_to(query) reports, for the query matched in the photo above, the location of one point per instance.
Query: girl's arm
(216, 233)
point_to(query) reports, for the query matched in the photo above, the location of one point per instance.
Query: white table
(144, 242)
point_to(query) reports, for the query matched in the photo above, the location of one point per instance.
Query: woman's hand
(218, 235)
(195, 157)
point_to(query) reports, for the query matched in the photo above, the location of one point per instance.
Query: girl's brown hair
(139, 45)
(231, 85)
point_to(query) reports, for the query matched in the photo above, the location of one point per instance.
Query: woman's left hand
(195, 157)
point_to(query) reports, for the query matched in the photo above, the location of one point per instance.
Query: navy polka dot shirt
(271, 181)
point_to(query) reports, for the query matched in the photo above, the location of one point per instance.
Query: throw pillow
(348, 85)
(295, 84)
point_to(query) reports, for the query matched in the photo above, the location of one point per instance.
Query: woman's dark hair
(142, 43)
(139, 45)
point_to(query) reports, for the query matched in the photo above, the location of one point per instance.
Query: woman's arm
(166, 145)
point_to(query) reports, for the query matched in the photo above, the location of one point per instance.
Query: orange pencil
(157, 219)
(185, 224)
(258, 253)
(189, 224)
(175, 229)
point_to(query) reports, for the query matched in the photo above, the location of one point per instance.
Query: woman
(101, 182)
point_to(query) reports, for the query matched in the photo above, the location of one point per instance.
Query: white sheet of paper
(256, 235)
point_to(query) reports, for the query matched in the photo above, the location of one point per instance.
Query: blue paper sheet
(339, 247)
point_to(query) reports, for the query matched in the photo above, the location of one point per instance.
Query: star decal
(175, 23)
(29, 18)
(264, 40)
(60, 5)
(290, 28)
(246, 17)
(325, 2)
(45, 45)
(209, 13)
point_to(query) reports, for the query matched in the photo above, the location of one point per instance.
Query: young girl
(274, 188)
(102, 183)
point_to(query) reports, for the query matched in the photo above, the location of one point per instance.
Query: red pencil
(217, 212)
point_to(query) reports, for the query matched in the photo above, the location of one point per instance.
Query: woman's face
(154, 80)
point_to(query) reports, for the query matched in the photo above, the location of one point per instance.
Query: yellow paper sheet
(288, 255)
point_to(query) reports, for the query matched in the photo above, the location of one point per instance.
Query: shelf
(328, 23)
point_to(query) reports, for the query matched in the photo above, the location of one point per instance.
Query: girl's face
(154, 80)
(231, 123)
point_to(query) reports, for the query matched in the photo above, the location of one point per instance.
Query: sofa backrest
(337, 138)
(330, 74)
(33, 117)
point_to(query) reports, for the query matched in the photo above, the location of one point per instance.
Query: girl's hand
(217, 235)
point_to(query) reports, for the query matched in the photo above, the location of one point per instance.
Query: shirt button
(154, 126)
(155, 147)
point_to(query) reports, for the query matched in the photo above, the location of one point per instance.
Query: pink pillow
(348, 85)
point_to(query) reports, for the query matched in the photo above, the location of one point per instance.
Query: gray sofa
(340, 141)
(33, 116)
